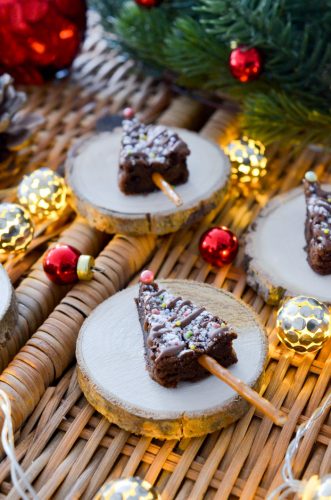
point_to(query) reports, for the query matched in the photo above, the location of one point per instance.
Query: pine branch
(278, 117)
(143, 31)
(190, 40)
(297, 52)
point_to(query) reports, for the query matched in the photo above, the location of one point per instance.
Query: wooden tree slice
(92, 173)
(8, 307)
(276, 261)
(112, 374)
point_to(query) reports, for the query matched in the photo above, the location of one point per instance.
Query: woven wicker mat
(68, 449)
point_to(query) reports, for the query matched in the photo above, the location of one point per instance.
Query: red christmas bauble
(245, 64)
(39, 38)
(148, 3)
(218, 246)
(60, 264)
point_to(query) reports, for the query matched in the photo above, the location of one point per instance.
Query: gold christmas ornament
(131, 488)
(16, 228)
(303, 324)
(43, 193)
(248, 162)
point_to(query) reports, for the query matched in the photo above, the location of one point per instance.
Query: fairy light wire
(290, 484)
(18, 476)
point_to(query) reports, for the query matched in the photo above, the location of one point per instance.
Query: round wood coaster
(276, 261)
(92, 174)
(112, 374)
(8, 307)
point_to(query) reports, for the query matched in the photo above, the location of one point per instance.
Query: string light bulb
(133, 488)
(303, 324)
(43, 193)
(248, 160)
(16, 228)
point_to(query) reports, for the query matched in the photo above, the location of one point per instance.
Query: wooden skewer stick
(243, 390)
(167, 189)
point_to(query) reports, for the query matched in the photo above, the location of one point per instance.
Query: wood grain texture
(51, 348)
(275, 256)
(37, 296)
(92, 172)
(8, 308)
(112, 373)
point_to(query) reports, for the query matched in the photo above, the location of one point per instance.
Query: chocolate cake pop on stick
(318, 225)
(152, 157)
(185, 342)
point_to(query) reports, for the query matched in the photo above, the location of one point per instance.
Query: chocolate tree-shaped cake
(318, 225)
(177, 332)
(146, 149)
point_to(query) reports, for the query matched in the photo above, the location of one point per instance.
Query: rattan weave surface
(68, 449)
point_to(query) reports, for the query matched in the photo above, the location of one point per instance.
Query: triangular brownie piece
(176, 332)
(318, 225)
(146, 149)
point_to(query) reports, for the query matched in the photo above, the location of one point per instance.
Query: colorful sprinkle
(193, 347)
(188, 334)
(147, 277)
(178, 323)
(128, 113)
(311, 176)
(326, 231)
(163, 305)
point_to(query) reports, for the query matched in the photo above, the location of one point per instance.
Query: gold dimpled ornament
(43, 193)
(248, 162)
(16, 228)
(132, 488)
(303, 324)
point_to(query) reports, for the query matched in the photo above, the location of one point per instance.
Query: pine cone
(15, 128)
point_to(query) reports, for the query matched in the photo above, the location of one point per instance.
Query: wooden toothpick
(167, 189)
(244, 390)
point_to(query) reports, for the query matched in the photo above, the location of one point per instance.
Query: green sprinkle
(178, 323)
(193, 347)
(163, 305)
(188, 334)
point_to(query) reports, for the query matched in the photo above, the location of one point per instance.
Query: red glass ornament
(148, 3)
(218, 246)
(245, 64)
(60, 264)
(147, 277)
(39, 38)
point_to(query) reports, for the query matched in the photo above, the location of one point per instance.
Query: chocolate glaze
(147, 149)
(177, 332)
(318, 227)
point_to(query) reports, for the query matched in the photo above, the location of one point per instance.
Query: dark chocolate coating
(318, 227)
(176, 332)
(147, 149)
